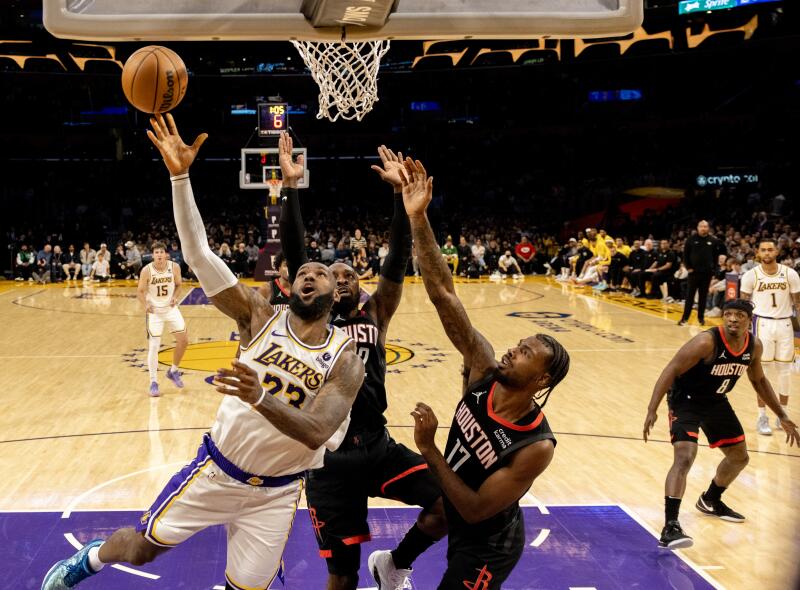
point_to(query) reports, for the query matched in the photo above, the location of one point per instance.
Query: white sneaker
(388, 577)
(636, 292)
(714, 313)
(763, 426)
(495, 276)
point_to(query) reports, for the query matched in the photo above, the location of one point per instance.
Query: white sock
(174, 368)
(153, 344)
(94, 559)
(762, 412)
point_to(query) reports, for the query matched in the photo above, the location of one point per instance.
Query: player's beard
(345, 306)
(319, 307)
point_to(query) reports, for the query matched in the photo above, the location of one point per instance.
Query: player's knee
(433, 521)
(740, 457)
(683, 460)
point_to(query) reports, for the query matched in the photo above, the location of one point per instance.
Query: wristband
(261, 399)
(178, 177)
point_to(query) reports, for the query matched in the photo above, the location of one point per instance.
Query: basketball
(154, 79)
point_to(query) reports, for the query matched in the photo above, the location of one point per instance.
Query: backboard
(260, 166)
(273, 20)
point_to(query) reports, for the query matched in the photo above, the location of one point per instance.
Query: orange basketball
(154, 79)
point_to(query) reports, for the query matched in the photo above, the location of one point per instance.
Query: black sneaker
(673, 537)
(682, 323)
(718, 509)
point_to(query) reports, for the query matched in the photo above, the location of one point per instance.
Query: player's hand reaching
(177, 155)
(649, 421)
(425, 424)
(241, 381)
(291, 171)
(790, 428)
(417, 187)
(392, 167)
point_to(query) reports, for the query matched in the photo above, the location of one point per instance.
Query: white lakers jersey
(771, 294)
(161, 286)
(291, 371)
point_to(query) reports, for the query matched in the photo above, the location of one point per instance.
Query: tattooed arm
(477, 352)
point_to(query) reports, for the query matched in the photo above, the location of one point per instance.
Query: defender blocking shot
(697, 381)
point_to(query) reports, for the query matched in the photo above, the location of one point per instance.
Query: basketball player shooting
(369, 462)
(698, 379)
(774, 290)
(286, 398)
(159, 285)
(499, 440)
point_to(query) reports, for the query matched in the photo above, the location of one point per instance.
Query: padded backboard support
(274, 20)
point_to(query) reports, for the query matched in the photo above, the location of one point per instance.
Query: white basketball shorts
(777, 337)
(170, 316)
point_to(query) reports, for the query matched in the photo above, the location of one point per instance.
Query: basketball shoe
(673, 537)
(175, 377)
(385, 574)
(68, 573)
(718, 509)
(154, 389)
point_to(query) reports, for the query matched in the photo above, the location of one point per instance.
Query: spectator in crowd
(105, 252)
(414, 260)
(561, 264)
(525, 253)
(88, 256)
(25, 262)
(699, 254)
(343, 253)
(313, 252)
(383, 252)
(716, 291)
(56, 264)
(240, 265)
(450, 254)
(252, 256)
(42, 272)
(357, 241)
(464, 254)
(175, 255)
(226, 254)
(492, 256)
(134, 262)
(72, 262)
(616, 266)
(662, 271)
(622, 247)
(479, 252)
(101, 270)
(119, 263)
(328, 254)
(506, 265)
(638, 261)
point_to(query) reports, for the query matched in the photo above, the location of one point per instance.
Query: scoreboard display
(272, 118)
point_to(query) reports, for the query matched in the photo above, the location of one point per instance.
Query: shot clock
(272, 118)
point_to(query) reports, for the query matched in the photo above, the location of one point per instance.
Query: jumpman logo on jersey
(722, 356)
(316, 524)
(482, 581)
(478, 395)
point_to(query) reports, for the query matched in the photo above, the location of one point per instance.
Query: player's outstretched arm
(387, 296)
(223, 289)
(320, 418)
(291, 224)
(504, 487)
(699, 347)
(755, 372)
(477, 352)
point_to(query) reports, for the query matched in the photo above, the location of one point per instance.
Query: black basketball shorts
(717, 420)
(337, 493)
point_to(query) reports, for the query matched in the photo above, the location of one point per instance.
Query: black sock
(714, 492)
(414, 544)
(671, 508)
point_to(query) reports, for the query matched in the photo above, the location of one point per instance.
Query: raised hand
(417, 187)
(291, 171)
(177, 155)
(392, 167)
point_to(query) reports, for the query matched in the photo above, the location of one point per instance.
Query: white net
(347, 75)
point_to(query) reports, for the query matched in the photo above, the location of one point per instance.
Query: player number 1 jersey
(771, 294)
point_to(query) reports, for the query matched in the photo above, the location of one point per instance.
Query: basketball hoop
(274, 185)
(346, 73)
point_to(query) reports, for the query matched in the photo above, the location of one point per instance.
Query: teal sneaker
(68, 573)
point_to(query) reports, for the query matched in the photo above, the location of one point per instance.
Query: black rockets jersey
(481, 442)
(279, 298)
(366, 414)
(706, 382)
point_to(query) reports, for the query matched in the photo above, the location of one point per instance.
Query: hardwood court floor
(78, 430)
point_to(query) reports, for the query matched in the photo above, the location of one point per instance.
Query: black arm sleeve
(292, 232)
(394, 266)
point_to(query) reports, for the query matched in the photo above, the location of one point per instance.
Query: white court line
(536, 502)
(129, 570)
(543, 534)
(582, 588)
(679, 553)
(60, 356)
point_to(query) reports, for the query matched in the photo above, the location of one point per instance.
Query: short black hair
(770, 240)
(740, 304)
(558, 367)
(279, 259)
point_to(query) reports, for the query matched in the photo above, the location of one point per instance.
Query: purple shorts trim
(174, 487)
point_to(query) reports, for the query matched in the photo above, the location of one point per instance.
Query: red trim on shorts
(692, 434)
(287, 293)
(725, 341)
(402, 475)
(325, 553)
(358, 539)
(506, 423)
(727, 441)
